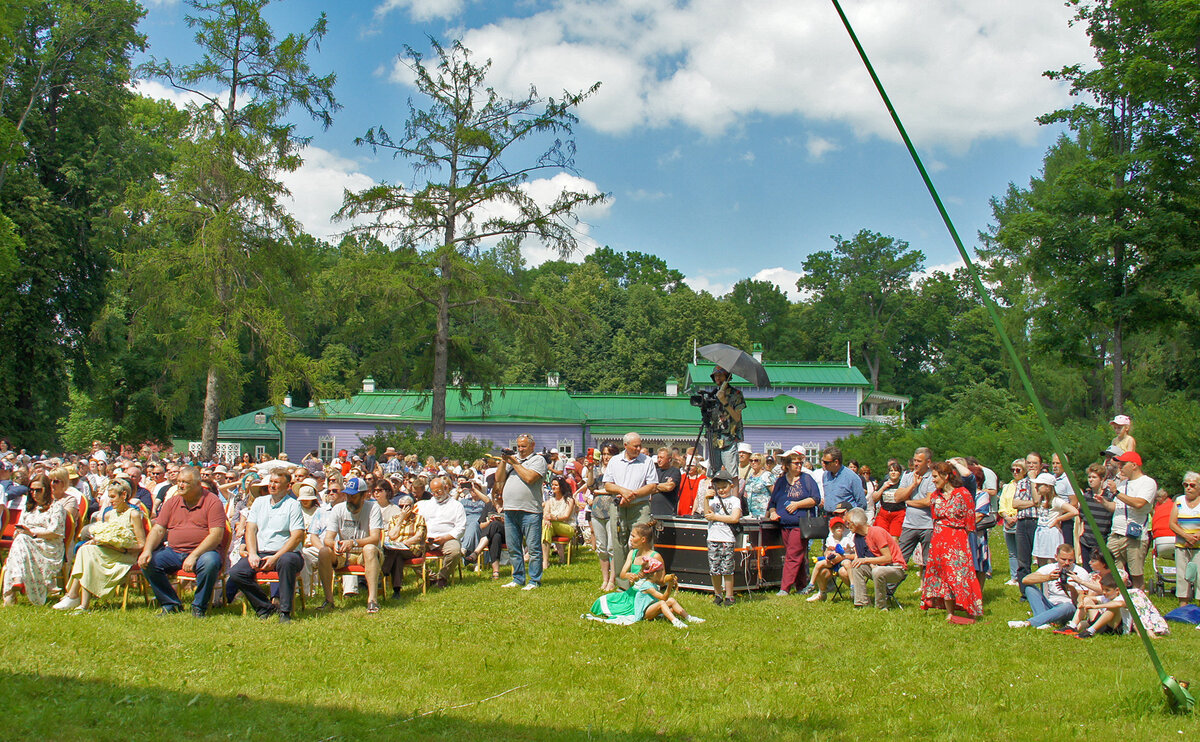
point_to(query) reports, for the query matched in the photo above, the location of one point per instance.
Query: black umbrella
(737, 362)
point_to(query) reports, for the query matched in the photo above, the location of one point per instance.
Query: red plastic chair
(569, 541)
(272, 578)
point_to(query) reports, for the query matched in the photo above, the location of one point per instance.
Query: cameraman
(1052, 590)
(519, 477)
(725, 426)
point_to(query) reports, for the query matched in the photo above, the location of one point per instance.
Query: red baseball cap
(1130, 456)
(836, 520)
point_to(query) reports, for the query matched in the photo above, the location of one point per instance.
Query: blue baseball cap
(353, 485)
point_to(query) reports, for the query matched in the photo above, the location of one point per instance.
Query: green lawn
(768, 668)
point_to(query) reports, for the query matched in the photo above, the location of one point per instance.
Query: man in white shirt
(445, 523)
(274, 535)
(353, 534)
(1051, 590)
(1129, 538)
(631, 477)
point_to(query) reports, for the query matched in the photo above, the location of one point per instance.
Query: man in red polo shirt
(885, 564)
(187, 536)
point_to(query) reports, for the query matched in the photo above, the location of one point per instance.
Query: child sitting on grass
(839, 550)
(662, 587)
(1099, 612)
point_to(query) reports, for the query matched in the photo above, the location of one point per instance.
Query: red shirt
(877, 538)
(1160, 524)
(187, 527)
(688, 487)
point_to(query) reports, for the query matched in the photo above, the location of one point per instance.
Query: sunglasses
(826, 462)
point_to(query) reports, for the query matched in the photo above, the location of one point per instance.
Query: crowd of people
(82, 526)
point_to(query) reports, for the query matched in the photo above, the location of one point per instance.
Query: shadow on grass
(61, 708)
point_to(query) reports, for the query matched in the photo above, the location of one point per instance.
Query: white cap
(745, 448)
(1121, 420)
(702, 463)
(307, 492)
(794, 450)
(554, 450)
(1045, 478)
(221, 470)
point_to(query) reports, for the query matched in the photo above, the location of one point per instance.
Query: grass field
(768, 668)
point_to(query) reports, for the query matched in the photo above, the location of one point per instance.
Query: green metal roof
(507, 405)
(787, 375)
(659, 410)
(244, 426)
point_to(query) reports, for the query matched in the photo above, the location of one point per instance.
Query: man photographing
(725, 427)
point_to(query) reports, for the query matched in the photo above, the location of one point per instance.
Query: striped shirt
(1025, 492)
(1188, 519)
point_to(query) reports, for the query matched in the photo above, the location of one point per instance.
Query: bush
(988, 423)
(408, 441)
(1168, 439)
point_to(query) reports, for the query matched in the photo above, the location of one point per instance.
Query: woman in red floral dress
(949, 582)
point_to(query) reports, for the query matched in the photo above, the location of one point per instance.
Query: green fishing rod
(1177, 696)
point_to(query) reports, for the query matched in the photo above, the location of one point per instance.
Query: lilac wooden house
(808, 404)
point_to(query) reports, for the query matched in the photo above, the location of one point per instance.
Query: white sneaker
(815, 597)
(695, 619)
(782, 593)
(1045, 627)
(511, 583)
(1012, 583)
(678, 624)
(530, 586)
(67, 603)
(1017, 624)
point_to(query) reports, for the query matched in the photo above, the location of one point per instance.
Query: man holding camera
(725, 426)
(1051, 590)
(519, 476)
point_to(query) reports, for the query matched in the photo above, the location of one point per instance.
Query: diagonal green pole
(1177, 696)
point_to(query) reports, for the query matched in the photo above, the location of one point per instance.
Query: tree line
(152, 283)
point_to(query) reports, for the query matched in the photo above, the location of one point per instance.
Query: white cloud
(947, 268)
(819, 146)
(716, 287)
(641, 194)
(747, 157)
(317, 188)
(421, 10)
(668, 157)
(178, 98)
(958, 71)
(784, 278)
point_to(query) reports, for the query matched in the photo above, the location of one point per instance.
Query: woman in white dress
(102, 564)
(36, 556)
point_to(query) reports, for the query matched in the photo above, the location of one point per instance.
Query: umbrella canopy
(737, 362)
(267, 467)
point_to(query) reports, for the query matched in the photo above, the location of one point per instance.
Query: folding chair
(891, 591)
(439, 557)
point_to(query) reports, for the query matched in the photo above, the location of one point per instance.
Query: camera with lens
(706, 400)
(508, 452)
(1064, 578)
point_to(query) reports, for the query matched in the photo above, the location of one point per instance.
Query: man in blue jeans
(187, 535)
(1051, 590)
(519, 476)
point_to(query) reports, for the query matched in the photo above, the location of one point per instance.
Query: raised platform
(757, 555)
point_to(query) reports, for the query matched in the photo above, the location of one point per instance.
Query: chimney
(287, 400)
(552, 378)
(756, 351)
(368, 385)
(672, 387)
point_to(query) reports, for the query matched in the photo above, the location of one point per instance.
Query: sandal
(372, 607)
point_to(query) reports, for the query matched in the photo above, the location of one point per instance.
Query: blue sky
(733, 137)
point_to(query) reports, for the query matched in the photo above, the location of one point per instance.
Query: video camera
(706, 400)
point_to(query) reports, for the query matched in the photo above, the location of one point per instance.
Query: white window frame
(812, 452)
(228, 452)
(326, 445)
(566, 449)
(770, 446)
(259, 451)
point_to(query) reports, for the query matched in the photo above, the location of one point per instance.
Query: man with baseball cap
(353, 534)
(1130, 535)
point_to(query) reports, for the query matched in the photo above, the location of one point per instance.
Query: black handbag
(986, 522)
(814, 527)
